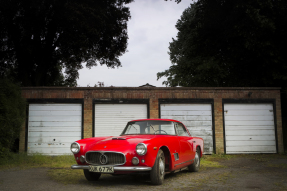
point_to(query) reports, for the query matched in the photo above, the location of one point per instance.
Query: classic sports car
(155, 146)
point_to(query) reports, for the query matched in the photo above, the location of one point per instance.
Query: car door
(186, 148)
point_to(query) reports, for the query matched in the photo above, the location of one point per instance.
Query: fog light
(82, 159)
(135, 161)
(143, 161)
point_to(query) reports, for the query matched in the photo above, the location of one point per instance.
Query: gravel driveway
(243, 172)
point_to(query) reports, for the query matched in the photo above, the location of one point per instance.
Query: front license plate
(102, 169)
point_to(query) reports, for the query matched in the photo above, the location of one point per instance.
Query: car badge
(103, 159)
(105, 146)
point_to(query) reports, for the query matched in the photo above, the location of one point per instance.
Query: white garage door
(111, 119)
(53, 127)
(249, 128)
(196, 117)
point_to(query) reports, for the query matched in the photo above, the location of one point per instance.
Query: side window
(181, 131)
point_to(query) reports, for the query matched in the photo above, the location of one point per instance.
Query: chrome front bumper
(117, 168)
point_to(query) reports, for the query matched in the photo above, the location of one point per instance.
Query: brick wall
(154, 94)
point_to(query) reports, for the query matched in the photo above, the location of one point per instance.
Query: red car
(155, 146)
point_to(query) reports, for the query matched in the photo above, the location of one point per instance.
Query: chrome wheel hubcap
(161, 166)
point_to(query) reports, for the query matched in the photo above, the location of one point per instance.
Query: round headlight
(75, 147)
(141, 149)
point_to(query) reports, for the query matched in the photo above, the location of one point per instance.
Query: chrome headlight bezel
(141, 149)
(75, 148)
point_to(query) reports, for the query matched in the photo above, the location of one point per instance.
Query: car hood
(120, 143)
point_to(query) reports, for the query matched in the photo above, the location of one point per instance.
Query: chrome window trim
(102, 152)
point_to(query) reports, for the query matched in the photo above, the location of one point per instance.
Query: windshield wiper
(152, 128)
(135, 128)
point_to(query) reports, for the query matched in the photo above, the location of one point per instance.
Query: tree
(12, 115)
(229, 43)
(41, 38)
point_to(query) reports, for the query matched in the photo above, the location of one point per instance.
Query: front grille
(93, 157)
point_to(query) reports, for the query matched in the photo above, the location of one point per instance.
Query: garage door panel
(250, 143)
(52, 139)
(51, 145)
(71, 118)
(196, 117)
(197, 123)
(56, 134)
(249, 113)
(54, 129)
(108, 116)
(249, 123)
(200, 128)
(55, 124)
(199, 133)
(249, 128)
(251, 137)
(250, 132)
(251, 149)
(254, 127)
(249, 118)
(119, 112)
(185, 113)
(54, 113)
(191, 118)
(53, 107)
(181, 107)
(51, 150)
(111, 119)
(249, 106)
(111, 123)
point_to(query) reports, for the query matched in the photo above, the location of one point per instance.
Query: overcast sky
(150, 31)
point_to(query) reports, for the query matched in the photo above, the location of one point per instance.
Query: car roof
(155, 120)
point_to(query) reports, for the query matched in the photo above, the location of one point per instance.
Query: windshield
(149, 127)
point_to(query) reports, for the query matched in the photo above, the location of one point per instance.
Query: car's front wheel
(91, 176)
(158, 170)
(194, 167)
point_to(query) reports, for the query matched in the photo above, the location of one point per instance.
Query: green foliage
(12, 115)
(230, 43)
(41, 38)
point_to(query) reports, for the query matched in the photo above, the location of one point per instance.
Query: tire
(91, 176)
(194, 167)
(158, 169)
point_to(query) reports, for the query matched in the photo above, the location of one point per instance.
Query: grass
(60, 166)
(211, 161)
(24, 161)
